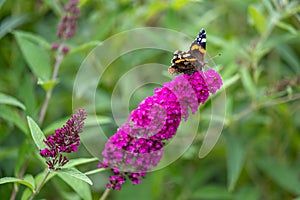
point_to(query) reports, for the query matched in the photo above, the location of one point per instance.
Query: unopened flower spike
(63, 140)
(68, 25)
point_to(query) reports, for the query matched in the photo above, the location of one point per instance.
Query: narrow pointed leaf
(9, 100)
(11, 115)
(10, 23)
(16, 180)
(76, 174)
(247, 81)
(79, 161)
(211, 192)
(29, 178)
(258, 19)
(1, 3)
(285, 176)
(36, 133)
(78, 185)
(35, 55)
(235, 160)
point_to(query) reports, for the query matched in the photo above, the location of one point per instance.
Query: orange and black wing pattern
(191, 61)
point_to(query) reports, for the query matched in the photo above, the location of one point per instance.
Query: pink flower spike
(138, 145)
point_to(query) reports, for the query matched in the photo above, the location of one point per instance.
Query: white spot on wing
(186, 55)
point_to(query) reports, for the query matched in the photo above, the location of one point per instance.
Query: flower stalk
(66, 30)
(40, 185)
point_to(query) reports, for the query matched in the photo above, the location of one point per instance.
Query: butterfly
(191, 61)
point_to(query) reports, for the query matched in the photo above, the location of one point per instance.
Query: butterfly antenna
(215, 56)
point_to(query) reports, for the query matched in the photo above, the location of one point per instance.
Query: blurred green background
(258, 153)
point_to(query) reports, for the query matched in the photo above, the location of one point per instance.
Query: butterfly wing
(191, 61)
(181, 63)
(198, 49)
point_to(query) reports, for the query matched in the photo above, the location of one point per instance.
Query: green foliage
(235, 160)
(77, 174)
(36, 133)
(82, 188)
(36, 57)
(259, 20)
(5, 99)
(11, 23)
(257, 155)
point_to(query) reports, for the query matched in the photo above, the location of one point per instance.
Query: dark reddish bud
(55, 46)
(65, 50)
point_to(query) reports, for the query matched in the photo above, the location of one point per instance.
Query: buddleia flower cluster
(138, 145)
(63, 140)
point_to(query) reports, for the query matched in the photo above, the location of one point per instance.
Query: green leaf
(8, 152)
(247, 81)
(278, 40)
(28, 94)
(9, 100)
(287, 27)
(76, 174)
(26, 194)
(35, 39)
(36, 133)
(38, 178)
(82, 2)
(230, 81)
(29, 178)
(10, 23)
(79, 161)
(94, 120)
(289, 56)
(79, 186)
(47, 85)
(1, 3)
(247, 193)
(235, 159)
(178, 4)
(16, 180)
(54, 5)
(13, 116)
(95, 171)
(25, 151)
(268, 4)
(285, 176)
(258, 19)
(211, 192)
(34, 54)
(83, 47)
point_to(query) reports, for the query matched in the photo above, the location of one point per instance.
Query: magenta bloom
(64, 140)
(137, 146)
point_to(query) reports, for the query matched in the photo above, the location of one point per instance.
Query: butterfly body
(191, 61)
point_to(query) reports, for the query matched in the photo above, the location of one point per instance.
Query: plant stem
(16, 188)
(45, 106)
(105, 194)
(58, 60)
(40, 185)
